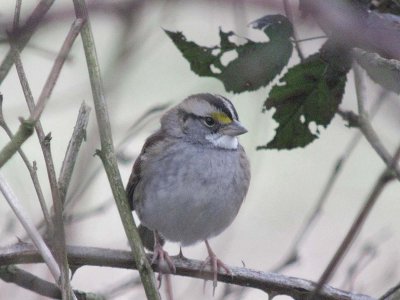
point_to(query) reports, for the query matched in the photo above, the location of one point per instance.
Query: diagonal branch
(29, 227)
(13, 274)
(28, 29)
(364, 122)
(381, 183)
(31, 169)
(108, 157)
(36, 111)
(71, 155)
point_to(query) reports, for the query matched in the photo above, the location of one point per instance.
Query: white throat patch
(223, 141)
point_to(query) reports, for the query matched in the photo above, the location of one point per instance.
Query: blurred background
(143, 73)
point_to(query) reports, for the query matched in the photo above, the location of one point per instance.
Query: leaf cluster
(308, 96)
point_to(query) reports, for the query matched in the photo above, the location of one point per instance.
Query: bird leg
(215, 264)
(162, 258)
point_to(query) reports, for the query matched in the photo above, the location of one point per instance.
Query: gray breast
(191, 193)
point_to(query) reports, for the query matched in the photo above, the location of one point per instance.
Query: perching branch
(271, 283)
(108, 157)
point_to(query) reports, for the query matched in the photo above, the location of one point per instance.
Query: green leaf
(308, 95)
(256, 63)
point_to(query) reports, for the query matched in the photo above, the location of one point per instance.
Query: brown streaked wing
(134, 179)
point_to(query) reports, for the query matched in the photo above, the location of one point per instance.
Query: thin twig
(383, 180)
(311, 38)
(271, 283)
(364, 123)
(367, 254)
(36, 111)
(108, 157)
(71, 154)
(138, 125)
(293, 255)
(392, 294)
(28, 225)
(17, 14)
(31, 169)
(289, 15)
(57, 66)
(29, 28)
(24, 131)
(22, 278)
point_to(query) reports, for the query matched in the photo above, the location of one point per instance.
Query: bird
(191, 177)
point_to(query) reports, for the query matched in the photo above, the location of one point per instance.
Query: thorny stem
(271, 283)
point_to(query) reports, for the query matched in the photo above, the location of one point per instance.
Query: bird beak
(233, 129)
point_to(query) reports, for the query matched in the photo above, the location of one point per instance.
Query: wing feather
(152, 141)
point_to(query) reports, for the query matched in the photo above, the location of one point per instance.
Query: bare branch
(71, 155)
(293, 253)
(364, 123)
(392, 294)
(274, 284)
(28, 225)
(13, 274)
(29, 28)
(31, 169)
(383, 180)
(36, 111)
(57, 66)
(24, 131)
(17, 14)
(108, 157)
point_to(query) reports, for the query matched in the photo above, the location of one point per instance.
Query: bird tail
(147, 237)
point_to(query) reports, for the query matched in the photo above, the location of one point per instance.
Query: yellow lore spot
(221, 117)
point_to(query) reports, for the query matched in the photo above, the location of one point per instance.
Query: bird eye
(209, 121)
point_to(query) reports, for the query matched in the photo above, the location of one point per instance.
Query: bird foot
(163, 261)
(216, 264)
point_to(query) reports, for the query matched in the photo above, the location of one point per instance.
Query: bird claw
(164, 261)
(216, 264)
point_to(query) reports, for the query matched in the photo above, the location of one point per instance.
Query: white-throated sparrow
(191, 177)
